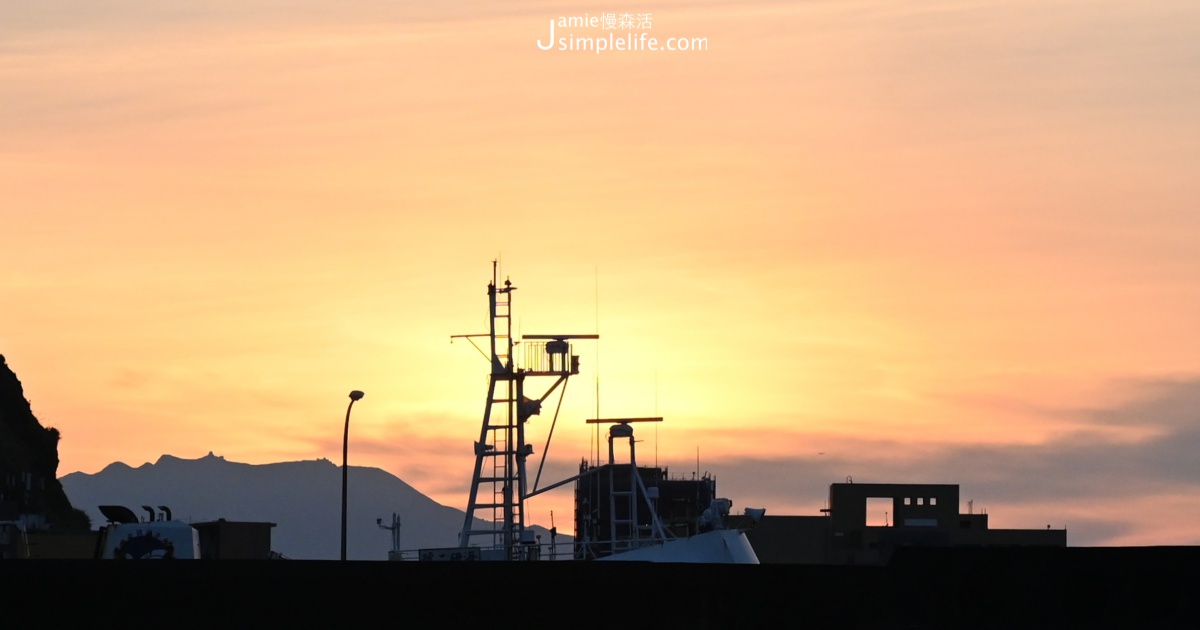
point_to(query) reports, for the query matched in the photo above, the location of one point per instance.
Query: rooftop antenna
(394, 528)
(656, 413)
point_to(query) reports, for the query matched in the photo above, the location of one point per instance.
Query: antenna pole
(596, 301)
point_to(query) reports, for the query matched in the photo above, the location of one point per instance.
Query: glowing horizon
(894, 233)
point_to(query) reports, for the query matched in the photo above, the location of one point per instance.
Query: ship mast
(499, 483)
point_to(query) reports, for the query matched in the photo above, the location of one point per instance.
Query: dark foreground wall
(948, 588)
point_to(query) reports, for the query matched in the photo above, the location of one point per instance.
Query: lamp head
(356, 395)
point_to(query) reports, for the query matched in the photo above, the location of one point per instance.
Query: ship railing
(688, 476)
(405, 555)
(548, 357)
(538, 551)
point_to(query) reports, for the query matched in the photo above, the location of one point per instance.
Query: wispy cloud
(1083, 466)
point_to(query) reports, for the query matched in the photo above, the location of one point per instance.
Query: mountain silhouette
(302, 498)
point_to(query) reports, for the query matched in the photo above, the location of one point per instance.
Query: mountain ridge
(303, 499)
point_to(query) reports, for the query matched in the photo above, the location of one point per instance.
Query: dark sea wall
(982, 588)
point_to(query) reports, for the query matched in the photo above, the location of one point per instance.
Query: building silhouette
(917, 515)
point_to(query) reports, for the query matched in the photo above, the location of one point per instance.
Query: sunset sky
(923, 241)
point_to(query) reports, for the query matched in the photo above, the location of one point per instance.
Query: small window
(933, 501)
(907, 500)
(921, 500)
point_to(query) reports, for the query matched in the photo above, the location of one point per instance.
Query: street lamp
(355, 396)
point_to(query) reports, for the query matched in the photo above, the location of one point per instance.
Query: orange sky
(935, 241)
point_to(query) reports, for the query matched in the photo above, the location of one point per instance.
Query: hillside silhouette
(29, 462)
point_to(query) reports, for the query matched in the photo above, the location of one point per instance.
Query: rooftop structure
(914, 515)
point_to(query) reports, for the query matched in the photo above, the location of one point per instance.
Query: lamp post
(355, 396)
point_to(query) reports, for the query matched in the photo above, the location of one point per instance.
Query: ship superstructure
(623, 511)
(620, 507)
